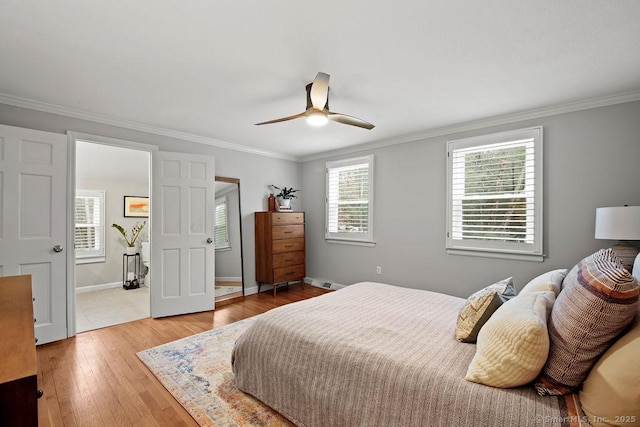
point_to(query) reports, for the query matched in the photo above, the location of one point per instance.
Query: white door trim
(72, 137)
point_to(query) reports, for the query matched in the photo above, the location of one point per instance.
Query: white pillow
(550, 281)
(513, 345)
(636, 268)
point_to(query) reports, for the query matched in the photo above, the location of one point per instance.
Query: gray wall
(254, 171)
(591, 159)
(228, 261)
(110, 270)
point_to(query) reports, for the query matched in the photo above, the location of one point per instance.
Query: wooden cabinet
(18, 380)
(280, 253)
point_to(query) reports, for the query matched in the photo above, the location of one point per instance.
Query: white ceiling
(213, 69)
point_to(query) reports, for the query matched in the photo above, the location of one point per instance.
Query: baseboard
(264, 288)
(92, 288)
(324, 284)
(251, 290)
(228, 279)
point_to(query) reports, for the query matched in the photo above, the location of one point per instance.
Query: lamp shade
(618, 223)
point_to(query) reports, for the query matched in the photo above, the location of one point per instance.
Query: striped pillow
(599, 298)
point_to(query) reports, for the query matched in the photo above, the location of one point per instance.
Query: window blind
(495, 193)
(89, 229)
(349, 204)
(221, 229)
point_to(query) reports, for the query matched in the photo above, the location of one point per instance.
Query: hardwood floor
(96, 379)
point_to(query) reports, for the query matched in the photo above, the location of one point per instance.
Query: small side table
(130, 284)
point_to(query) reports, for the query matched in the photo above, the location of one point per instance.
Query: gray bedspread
(377, 355)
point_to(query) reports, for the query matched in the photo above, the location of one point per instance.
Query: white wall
(255, 172)
(110, 270)
(591, 159)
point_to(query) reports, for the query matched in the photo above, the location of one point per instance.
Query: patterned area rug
(197, 371)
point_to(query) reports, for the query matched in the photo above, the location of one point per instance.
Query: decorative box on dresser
(18, 371)
(280, 253)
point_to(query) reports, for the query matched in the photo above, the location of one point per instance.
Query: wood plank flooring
(96, 379)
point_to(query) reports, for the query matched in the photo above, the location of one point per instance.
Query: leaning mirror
(228, 240)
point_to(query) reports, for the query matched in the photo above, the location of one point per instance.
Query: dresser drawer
(288, 258)
(287, 274)
(284, 218)
(288, 245)
(287, 231)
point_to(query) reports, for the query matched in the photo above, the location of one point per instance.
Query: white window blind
(349, 201)
(89, 231)
(221, 228)
(495, 194)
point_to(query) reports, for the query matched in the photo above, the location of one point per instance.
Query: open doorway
(228, 240)
(112, 187)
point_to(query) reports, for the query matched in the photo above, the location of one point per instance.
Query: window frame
(496, 249)
(227, 245)
(364, 239)
(86, 256)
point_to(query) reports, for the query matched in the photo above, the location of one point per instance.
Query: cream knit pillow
(549, 281)
(513, 345)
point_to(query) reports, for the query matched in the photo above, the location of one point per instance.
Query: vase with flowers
(135, 233)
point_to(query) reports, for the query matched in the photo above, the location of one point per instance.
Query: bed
(373, 354)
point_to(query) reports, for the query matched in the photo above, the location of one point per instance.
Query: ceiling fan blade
(349, 120)
(284, 119)
(320, 91)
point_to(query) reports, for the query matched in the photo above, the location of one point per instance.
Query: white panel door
(182, 271)
(33, 227)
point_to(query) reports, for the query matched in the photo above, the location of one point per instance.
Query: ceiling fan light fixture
(317, 111)
(317, 118)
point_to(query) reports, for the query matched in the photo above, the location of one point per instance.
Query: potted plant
(135, 233)
(285, 195)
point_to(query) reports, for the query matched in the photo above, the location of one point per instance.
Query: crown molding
(132, 125)
(442, 131)
(537, 113)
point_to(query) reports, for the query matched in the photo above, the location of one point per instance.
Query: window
(89, 233)
(494, 195)
(221, 236)
(350, 200)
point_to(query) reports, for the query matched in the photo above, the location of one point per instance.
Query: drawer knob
(289, 273)
(288, 232)
(288, 246)
(288, 259)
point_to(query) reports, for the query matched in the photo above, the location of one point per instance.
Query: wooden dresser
(18, 381)
(280, 253)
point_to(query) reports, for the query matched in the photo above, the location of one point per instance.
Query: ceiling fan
(317, 112)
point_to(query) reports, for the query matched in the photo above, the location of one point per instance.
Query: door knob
(209, 240)
(57, 248)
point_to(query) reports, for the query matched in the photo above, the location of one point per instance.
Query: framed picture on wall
(136, 206)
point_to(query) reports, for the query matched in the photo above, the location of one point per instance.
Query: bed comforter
(379, 355)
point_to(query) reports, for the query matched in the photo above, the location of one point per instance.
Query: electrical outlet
(378, 270)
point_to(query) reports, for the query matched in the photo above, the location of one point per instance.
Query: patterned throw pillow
(479, 308)
(514, 344)
(599, 298)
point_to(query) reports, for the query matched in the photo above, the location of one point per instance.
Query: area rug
(197, 371)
